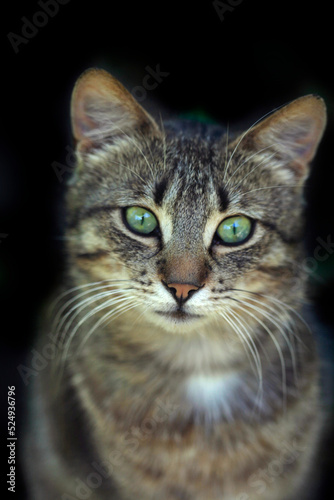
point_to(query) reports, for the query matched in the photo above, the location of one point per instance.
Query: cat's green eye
(140, 220)
(234, 230)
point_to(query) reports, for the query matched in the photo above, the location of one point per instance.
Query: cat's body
(185, 369)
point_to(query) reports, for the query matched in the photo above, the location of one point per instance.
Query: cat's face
(190, 226)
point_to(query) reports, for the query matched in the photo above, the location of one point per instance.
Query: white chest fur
(211, 396)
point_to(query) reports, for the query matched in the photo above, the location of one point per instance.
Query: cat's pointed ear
(102, 109)
(292, 134)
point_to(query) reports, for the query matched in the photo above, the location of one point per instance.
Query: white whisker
(164, 145)
(252, 170)
(106, 304)
(277, 345)
(144, 156)
(130, 169)
(79, 307)
(283, 309)
(247, 132)
(85, 285)
(248, 159)
(269, 187)
(226, 152)
(96, 309)
(280, 303)
(247, 339)
(76, 297)
(276, 322)
(135, 143)
(108, 316)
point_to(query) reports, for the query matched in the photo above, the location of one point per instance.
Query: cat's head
(189, 222)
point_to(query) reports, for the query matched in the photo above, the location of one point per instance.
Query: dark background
(261, 55)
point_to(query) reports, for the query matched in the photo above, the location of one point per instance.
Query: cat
(185, 366)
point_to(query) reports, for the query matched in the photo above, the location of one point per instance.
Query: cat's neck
(200, 373)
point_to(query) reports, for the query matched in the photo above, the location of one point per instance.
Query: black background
(261, 55)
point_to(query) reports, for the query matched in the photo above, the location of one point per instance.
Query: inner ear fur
(102, 108)
(293, 132)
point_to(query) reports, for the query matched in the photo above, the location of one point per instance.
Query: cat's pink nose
(182, 289)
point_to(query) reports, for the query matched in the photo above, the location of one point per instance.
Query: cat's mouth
(179, 315)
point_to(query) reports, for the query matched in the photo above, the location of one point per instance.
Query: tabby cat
(185, 368)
